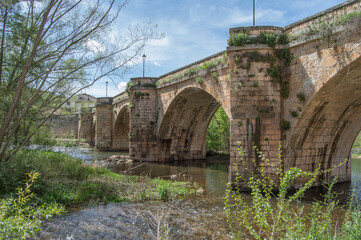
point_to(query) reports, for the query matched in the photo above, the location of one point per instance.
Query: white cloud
(163, 42)
(95, 46)
(122, 86)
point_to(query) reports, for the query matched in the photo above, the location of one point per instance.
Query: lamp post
(106, 89)
(254, 12)
(143, 63)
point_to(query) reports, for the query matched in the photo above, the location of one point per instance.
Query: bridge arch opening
(120, 137)
(326, 130)
(182, 132)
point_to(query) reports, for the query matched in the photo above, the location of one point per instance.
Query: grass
(36, 185)
(70, 182)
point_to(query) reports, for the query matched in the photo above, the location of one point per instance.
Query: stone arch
(120, 137)
(328, 126)
(182, 132)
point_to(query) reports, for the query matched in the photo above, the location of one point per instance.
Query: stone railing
(302, 26)
(120, 97)
(211, 63)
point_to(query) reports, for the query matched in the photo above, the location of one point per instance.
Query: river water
(198, 217)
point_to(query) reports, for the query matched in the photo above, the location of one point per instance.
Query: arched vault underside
(324, 133)
(182, 133)
(121, 129)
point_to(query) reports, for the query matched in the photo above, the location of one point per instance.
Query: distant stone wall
(64, 126)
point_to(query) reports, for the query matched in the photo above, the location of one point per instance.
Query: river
(198, 217)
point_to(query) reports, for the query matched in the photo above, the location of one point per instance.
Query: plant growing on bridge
(326, 25)
(269, 38)
(301, 97)
(199, 79)
(285, 125)
(51, 50)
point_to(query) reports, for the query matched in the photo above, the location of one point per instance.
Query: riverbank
(69, 182)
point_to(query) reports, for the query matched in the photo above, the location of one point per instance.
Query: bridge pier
(143, 119)
(256, 105)
(85, 127)
(104, 123)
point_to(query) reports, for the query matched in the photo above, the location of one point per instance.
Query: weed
(268, 38)
(301, 97)
(276, 213)
(285, 125)
(274, 72)
(199, 79)
(215, 75)
(19, 219)
(239, 39)
(294, 114)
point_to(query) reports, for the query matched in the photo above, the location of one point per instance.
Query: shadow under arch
(93, 131)
(120, 136)
(182, 132)
(324, 133)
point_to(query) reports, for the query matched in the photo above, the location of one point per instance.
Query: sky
(195, 29)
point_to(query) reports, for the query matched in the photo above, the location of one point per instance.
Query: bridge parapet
(120, 97)
(328, 20)
(104, 101)
(194, 70)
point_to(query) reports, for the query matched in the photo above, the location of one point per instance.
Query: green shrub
(199, 79)
(276, 213)
(239, 39)
(22, 219)
(294, 114)
(268, 38)
(285, 125)
(301, 97)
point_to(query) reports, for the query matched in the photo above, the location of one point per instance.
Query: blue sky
(195, 29)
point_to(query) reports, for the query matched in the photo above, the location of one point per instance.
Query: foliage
(215, 75)
(239, 39)
(325, 26)
(268, 38)
(357, 142)
(70, 182)
(19, 217)
(44, 137)
(301, 97)
(274, 72)
(199, 79)
(285, 125)
(294, 114)
(218, 132)
(276, 213)
(285, 55)
(51, 50)
(271, 39)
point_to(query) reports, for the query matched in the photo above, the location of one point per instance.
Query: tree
(218, 132)
(52, 49)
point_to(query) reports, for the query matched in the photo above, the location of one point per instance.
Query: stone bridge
(299, 85)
